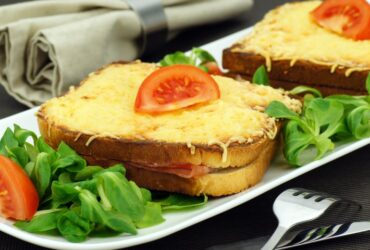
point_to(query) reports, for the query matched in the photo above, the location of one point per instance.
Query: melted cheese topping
(289, 33)
(104, 106)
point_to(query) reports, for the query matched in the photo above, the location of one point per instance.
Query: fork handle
(275, 238)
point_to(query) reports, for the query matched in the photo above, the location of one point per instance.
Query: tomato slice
(174, 87)
(350, 18)
(18, 196)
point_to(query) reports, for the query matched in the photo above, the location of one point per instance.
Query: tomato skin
(175, 87)
(213, 68)
(18, 196)
(350, 18)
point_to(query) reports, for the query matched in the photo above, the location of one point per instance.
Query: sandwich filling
(181, 170)
(187, 171)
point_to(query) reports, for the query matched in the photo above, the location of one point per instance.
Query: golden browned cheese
(289, 33)
(103, 106)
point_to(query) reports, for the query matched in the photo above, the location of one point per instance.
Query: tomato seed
(160, 100)
(4, 193)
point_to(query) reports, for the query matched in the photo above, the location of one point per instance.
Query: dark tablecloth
(348, 176)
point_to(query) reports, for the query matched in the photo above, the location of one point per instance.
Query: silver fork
(295, 206)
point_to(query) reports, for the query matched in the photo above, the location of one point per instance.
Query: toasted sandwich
(216, 148)
(298, 51)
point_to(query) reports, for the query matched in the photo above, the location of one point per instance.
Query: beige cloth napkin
(47, 46)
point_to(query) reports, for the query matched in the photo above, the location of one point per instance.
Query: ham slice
(182, 170)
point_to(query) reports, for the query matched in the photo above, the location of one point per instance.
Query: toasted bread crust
(154, 152)
(224, 182)
(301, 73)
(325, 90)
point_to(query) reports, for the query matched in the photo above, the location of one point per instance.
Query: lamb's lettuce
(322, 122)
(260, 76)
(77, 200)
(197, 57)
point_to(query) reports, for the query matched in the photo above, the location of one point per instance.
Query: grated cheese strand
(191, 147)
(77, 137)
(91, 139)
(223, 146)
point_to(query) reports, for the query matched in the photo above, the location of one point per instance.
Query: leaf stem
(104, 199)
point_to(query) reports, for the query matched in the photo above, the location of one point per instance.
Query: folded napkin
(47, 46)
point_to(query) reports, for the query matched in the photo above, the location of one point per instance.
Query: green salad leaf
(42, 222)
(77, 200)
(179, 201)
(321, 122)
(314, 127)
(305, 89)
(41, 175)
(112, 189)
(197, 57)
(177, 58)
(358, 122)
(203, 55)
(260, 76)
(73, 227)
(152, 215)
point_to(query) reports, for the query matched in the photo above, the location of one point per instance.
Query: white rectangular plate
(278, 173)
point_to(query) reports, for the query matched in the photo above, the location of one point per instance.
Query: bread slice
(296, 51)
(230, 136)
(223, 182)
